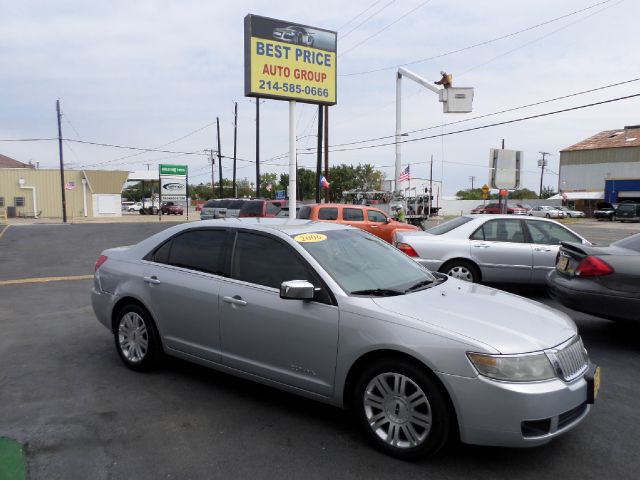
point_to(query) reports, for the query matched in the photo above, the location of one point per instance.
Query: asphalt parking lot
(65, 395)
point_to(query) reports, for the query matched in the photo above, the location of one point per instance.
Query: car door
(183, 277)
(377, 223)
(501, 250)
(546, 237)
(293, 342)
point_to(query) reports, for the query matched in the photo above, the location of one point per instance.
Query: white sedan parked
(489, 248)
(547, 211)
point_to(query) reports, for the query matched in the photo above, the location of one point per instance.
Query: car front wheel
(136, 338)
(401, 409)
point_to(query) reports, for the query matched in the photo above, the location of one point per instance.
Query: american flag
(269, 187)
(405, 174)
(70, 185)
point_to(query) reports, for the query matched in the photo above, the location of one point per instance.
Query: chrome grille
(570, 360)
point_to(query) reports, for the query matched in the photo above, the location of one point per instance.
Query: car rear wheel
(548, 216)
(136, 338)
(401, 409)
(462, 270)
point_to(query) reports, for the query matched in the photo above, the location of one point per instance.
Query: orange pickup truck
(367, 218)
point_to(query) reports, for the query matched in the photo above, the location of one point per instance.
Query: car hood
(508, 323)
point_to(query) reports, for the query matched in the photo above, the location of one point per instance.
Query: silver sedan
(490, 249)
(335, 314)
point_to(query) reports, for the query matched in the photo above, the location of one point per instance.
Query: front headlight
(513, 368)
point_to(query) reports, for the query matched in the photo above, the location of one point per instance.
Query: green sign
(173, 169)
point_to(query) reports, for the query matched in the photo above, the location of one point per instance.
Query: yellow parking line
(20, 281)
(4, 230)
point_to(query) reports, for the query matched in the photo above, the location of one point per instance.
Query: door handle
(152, 279)
(482, 245)
(235, 300)
(542, 249)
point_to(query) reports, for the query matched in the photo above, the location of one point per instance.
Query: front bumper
(516, 414)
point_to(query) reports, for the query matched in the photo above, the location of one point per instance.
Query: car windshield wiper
(378, 292)
(419, 285)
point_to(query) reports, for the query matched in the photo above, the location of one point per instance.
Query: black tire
(462, 270)
(147, 348)
(548, 216)
(412, 440)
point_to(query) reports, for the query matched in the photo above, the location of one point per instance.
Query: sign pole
(292, 159)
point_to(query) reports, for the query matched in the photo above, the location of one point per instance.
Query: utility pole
(235, 142)
(326, 150)
(472, 178)
(62, 189)
(542, 163)
(212, 161)
(257, 148)
(219, 157)
(430, 186)
(319, 161)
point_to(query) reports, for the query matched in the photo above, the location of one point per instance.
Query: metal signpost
(289, 61)
(504, 172)
(173, 184)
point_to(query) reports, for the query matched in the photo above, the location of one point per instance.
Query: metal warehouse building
(605, 167)
(30, 192)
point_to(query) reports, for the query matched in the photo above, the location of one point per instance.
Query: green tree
(265, 180)
(547, 192)
(523, 194)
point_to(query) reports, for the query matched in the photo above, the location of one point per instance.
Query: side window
(272, 209)
(1, 201)
(267, 261)
(328, 213)
(500, 231)
(18, 201)
(202, 250)
(161, 255)
(375, 216)
(304, 213)
(352, 215)
(549, 233)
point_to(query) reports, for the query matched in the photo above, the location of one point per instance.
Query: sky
(153, 73)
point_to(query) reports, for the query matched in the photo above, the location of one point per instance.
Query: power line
(541, 102)
(530, 117)
(535, 40)
(480, 44)
(125, 147)
(366, 19)
(353, 47)
(361, 13)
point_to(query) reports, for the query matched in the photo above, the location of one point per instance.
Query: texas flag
(323, 182)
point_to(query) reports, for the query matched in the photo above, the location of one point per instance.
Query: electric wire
(480, 44)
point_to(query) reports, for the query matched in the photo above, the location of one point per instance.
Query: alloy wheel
(461, 273)
(397, 410)
(133, 337)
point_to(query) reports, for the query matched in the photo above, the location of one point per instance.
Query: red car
(511, 209)
(170, 208)
(261, 208)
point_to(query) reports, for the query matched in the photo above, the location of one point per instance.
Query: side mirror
(297, 290)
(389, 219)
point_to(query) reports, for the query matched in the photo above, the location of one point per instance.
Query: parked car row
(239, 208)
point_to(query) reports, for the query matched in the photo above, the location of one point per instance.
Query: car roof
(284, 225)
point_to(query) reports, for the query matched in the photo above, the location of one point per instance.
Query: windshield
(448, 226)
(632, 242)
(363, 264)
(627, 207)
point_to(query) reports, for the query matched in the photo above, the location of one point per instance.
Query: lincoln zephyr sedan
(334, 313)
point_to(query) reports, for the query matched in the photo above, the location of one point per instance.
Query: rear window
(272, 209)
(224, 204)
(632, 242)
(328, 213)
(236, 204)
(352, 215)
(627, 207)
(304, 213)
(448, 226)
(604, 206)
(251, 208)
(211, 204)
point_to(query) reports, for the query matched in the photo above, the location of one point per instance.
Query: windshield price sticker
(310, 237)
